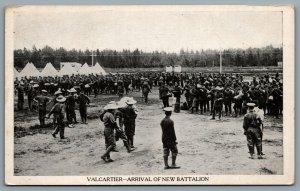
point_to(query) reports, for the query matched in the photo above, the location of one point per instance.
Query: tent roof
(67, 70)
(85, 69)
(16, 73)
(97, 69)
(49, 70)
(29, 70)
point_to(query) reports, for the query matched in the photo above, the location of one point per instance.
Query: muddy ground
(205, 146)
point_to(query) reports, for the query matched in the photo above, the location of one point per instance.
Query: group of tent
(49, 70)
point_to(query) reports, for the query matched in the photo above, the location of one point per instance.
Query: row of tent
(49, 70)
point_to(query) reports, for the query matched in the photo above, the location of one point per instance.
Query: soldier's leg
(174, 151)
(166, 155)
(213, 113)
(61, 129)
(250, 144)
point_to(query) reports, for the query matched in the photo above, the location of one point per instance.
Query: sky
(148, 30)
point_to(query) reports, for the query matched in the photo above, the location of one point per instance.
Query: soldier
(30, 95)
(83, 101)
(218, 103)
(110, 125)
(187, 94)
(20, 92)
(164, 94)
(252, 129)
(129, 121)
(42, 104)
(177, 94)
(121, 88)
(146, 89)
(169, 139)
(70, 104)
(195, 93)
(58, 111)
(119, 117)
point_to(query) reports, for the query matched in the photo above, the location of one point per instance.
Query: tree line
(265, 56)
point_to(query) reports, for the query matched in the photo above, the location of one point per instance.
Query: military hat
(46, 84)
(250, 104)
(35, 85)
(72, 90)
(130, 101)
(112, 102)
(121, 104)
(87, 86)
(168, 109)
(110, 106)
(58, 92)
(60, 98)
(31, 82)
(44, 91)
(219, 88)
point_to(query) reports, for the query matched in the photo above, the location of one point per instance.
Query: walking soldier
(252, 129)
(58, 111)
(42, 104)
(169, 139)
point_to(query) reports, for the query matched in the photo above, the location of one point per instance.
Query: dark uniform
(164, 95)
(58, 111)
(110, 142)
(253, 132)
(42, 104)
(168, 136)
(83, 100)
(20, 91)
(120, 134)
(70, 106)
(146, 90)
(129, 122)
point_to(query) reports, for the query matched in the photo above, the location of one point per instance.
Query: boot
(166, 162)
(251, 151)
(174, 166)
(127, 146)
(259, 153)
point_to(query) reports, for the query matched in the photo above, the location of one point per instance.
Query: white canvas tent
(85, 69)
(177, 69)
(169, 68)
(29, 70)
(16, 73)
(67, 69)
(49, 70)
(97, 69)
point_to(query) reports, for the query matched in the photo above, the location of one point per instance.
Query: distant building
(73, 64)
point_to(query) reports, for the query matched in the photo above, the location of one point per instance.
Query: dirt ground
(206, 147)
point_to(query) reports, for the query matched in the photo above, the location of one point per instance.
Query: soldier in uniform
(58, 111)
(146, 89)
(129, 121)
(164, 94)
(42, 101)
(251, 125)
(218, 103)
(177, 94)
(83, 101)
(20, 92)
(110, 126)
(169, 139)
(70, 104)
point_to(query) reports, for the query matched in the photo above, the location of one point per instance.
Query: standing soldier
(251, 125)
(30, 95)
(70, 104)
(129, 121)
(169, 139)
(83, 101)
(110, 126)
(164, 94)
(218, 103)
(20, 92)
(58, 111)
(188, 96)
(146, 89)
(177, 94)
(120, 88)
(42, 104)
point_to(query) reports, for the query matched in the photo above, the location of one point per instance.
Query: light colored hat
(168, 109)
(130, 101)
(31, 82)
(35, 85)
(44, 91)
(46, 84)
(250, 104)
(112, 102)
(219, 88)
(57, 92)
(60, 98)
(124, 99)
(198, 86)
(121, 104)
(87, 86)
(72, 90)
(110, 106)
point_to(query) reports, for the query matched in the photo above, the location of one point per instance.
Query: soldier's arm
(51, 111)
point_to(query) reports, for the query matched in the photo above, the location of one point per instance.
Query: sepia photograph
(146, 95)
